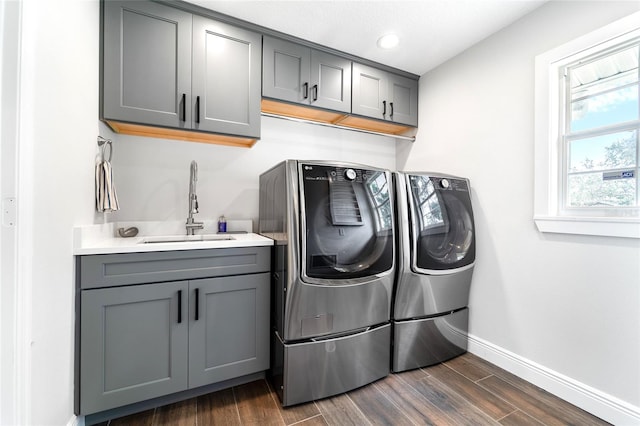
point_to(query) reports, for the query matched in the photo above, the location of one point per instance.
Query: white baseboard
(598, 403)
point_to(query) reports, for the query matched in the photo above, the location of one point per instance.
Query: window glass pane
(595, 190)
(605, 91)
(608, 108)
(607, 70)
(611, 151)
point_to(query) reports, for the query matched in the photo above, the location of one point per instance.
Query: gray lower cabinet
(295, 73)
(384, 95)
(165, 67)
(133, 344)
(139, 341)
(230, 333)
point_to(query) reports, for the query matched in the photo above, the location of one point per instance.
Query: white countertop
(104, 239)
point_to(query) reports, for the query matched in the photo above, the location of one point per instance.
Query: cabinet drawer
(109, 270)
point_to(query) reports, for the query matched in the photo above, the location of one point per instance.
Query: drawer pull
(197, 304)
(197, 109)
(179, 306)
(184, 107)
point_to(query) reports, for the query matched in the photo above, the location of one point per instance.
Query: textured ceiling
(431, 31)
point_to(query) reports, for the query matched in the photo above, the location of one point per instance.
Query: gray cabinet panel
(230, 336)
(226, 78)
(403, 98)
(299, 74)
(369, 91)
(136, 268)
(146, 63)
(330, 81)
(385, 96)
(285, 69)
(132, 344)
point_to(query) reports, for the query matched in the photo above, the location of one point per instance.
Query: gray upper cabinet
(146, 68)
(299, 74)
(385, 96)
(226, 78)
(166, 67)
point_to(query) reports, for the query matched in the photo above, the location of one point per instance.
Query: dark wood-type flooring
(463, 391)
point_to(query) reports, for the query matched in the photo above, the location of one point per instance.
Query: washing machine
(333, 273)
(436, 256)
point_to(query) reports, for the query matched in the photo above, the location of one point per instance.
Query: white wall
(58, 130)
(568, 303)
(152, 175)
(57, 143)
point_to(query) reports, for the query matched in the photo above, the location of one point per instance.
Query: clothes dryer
(334, 265)
(436, 256)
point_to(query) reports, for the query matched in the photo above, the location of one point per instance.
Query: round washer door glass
(348, 222)
(442, 223)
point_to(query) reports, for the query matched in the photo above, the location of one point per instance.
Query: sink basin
(185, 238)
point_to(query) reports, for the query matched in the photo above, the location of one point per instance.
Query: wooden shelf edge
(176, 134)
(341, 119)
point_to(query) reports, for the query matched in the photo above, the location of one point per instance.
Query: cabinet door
(285, 71)
(146, 69)
(225, 78)
(229, 328)
(133, 344)
(403, 100)
(369, 92)
(330, 82)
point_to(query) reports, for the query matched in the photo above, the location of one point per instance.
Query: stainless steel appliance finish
(334, 265)
(436, 256)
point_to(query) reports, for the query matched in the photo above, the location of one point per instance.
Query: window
(587, 134)
(600, 132)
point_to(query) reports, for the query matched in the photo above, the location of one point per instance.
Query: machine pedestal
(308, 371)
(423, 342)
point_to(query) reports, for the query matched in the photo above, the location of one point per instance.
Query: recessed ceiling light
(388, 41)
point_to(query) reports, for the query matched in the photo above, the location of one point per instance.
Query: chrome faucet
(193, 201)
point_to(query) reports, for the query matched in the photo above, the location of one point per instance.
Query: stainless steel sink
(184, 238)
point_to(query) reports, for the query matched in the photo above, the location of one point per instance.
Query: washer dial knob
(444, 183)
(350, 174)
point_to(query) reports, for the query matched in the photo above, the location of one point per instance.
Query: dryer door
(347, 222)
(442, 231)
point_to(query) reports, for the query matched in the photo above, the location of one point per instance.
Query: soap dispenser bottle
(222, 224)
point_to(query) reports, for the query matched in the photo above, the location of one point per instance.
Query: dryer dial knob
(444, 183)
(350, 174)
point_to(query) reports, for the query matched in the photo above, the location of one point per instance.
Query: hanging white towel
(106, 196)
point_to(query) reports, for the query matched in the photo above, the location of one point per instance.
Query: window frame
(550, 150)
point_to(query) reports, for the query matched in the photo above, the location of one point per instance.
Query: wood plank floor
(464, 391)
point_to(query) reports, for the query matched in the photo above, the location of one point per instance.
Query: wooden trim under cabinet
(332, 117)
(183, 135)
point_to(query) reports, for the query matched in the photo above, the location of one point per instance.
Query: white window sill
(609, 227)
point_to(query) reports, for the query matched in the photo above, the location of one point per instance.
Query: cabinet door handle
(315, 92)
(197, 316)
(391, 105)
(384, 108)
(179, 306)
(184, 107)
(305, 90)
(197, 109)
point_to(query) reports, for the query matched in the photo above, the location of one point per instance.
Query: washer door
(347, 222)
(442, 231)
